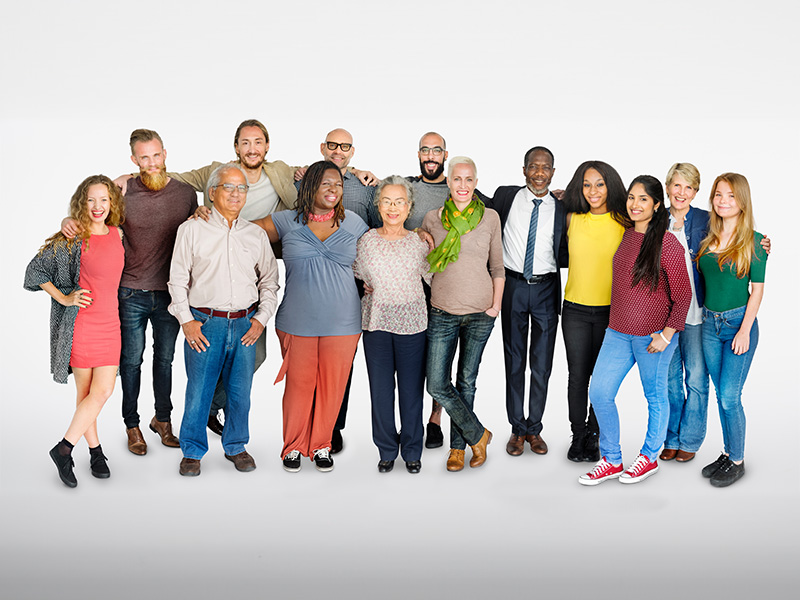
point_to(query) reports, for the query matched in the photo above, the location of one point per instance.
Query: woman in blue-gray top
(319, 320)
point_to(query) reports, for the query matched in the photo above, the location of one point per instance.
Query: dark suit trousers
(528, 307)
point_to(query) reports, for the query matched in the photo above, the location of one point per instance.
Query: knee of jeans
(730, 401)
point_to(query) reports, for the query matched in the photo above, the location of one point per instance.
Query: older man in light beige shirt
(223, 282)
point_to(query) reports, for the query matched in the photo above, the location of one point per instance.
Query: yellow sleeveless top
(593, 240)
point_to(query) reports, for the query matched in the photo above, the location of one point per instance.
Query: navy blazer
(502, 201)
(695, 225)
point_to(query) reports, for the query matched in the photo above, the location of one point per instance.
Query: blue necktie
(527, 273)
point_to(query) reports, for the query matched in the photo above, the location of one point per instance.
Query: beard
(252, 162)
(155, 181)
(439, 169)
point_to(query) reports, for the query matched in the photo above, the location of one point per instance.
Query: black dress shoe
(385, 466)
(214, 424)
(413, 466)
(64, 464)
(97, 463)
(434, 438)
(337, 443)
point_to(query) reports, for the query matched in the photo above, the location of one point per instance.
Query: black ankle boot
(591, 448)
(64, 465)
(576, 448)
(97, 463)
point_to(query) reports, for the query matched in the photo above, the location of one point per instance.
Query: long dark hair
(308, 189)
(647, 267)
(616, 200)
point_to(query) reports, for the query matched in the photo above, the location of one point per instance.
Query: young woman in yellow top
(596, 201)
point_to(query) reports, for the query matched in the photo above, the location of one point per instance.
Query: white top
(262, 199)
(515, 234)
(222, 268)
(695, 315)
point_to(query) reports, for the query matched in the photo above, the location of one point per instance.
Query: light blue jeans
(617, 356)
(728, 372)
(688, 407)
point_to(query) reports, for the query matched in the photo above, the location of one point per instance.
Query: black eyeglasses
(436, 150)
(229, 187)
(335, 145)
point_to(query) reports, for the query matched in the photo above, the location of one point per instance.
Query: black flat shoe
(413, 466)
(64, 464)
(385, 466)
(434, 438)
(97, 463)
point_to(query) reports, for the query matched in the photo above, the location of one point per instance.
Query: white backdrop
(639, 85)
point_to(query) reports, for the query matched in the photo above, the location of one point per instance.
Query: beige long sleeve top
(214, 266)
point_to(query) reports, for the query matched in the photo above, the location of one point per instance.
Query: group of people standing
(420, 267)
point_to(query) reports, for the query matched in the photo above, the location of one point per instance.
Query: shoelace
(600, 468)
(638, 465)
(293, 455)
(323, 453)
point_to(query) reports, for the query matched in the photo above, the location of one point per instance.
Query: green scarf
(457, 223)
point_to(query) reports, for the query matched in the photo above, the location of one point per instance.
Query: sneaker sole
(291, 469)
(627, 480)
(324, 469)
(598, 481)
(101, 475)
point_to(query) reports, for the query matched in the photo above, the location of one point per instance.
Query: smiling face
(539, 172)
(393, 205)
(98, 202)
(641, 207)
(329, 192)
(431, 164)
(151, 158)
(595, 192)
(251, 148)
(337, 156)
(724, 202)
(680, 193)
(462, 184)
(229, 202)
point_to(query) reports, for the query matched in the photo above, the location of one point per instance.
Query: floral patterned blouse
(394, 269)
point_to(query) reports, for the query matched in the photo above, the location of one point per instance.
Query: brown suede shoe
(455, 461)
(136, 443)
(190, 467)
(538, 445)
(515, 445)
(242, 461)
(164, 429)
(479, 449)
(684, 456)
(667, 454)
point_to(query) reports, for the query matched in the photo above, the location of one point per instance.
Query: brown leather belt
(227, 314)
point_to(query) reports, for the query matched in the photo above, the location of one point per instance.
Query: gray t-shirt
(427, 196)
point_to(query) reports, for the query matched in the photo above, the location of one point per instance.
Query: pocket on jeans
(124, 293)
(200, 316)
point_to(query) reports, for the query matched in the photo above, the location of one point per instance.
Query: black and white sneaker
(323, 460)
(727, 474)
(709, 470)
(291, 462)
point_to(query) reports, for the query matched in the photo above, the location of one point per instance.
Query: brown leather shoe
(164, 429)
(190, 467)
(242, 461)
(684, 456)
(479, 449)
(455, 460)
(136, 443)
(515, 445)
(538, 445)
(667, 454)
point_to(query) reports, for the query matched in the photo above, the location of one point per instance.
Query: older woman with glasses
(466, 294)
(392, 262)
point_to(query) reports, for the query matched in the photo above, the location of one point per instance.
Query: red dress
(96, 339)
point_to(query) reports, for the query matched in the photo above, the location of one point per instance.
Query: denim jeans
(227, 357)
(445, 333)
(617, 356)
(388, 354)
(728, 372)
(584, 328)
(220, 398)
(688, 411)
(136, 308)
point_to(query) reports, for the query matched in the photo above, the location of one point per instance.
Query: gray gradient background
(639, 85)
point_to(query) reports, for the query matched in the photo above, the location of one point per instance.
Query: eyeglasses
(335, 145)
(436, 150)
(230, 187)
(397, 203)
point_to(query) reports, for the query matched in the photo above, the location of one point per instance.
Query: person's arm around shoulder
(268, 225)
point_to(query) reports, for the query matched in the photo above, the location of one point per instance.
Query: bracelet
(666, 341)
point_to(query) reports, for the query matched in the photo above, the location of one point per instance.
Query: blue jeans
(445, 332)
(227, 357)
(220, 398)
(688, 411)
(388, 354)
(617, 356)
(136, 308)
(728, 372)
